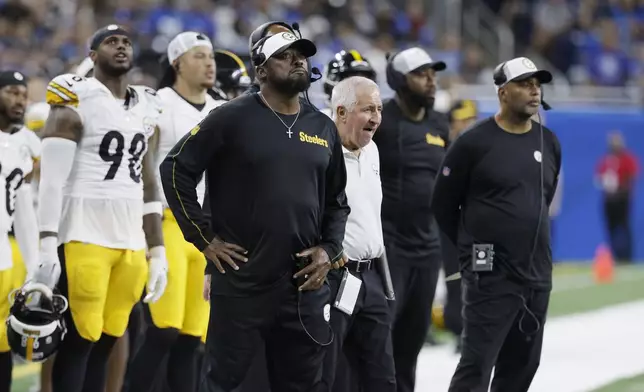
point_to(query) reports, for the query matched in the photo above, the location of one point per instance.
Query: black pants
(453, 308)
(6, 368)
(503, 328)
(346, 369)
(256, 378)
(617, 215)
(368, 332)
(415, 288)
(238, 325)
(453, 305)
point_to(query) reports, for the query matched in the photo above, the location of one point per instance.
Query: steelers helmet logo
(529, 64)
(289, 36)
(18, 76)
(148, 125)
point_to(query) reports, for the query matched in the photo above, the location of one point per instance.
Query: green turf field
(574, 291)
(633, 384)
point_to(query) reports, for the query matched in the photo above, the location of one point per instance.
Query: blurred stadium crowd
(592, 42)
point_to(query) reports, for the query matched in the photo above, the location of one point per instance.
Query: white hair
(345, 93)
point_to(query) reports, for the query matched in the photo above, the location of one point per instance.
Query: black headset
(258, 58)
(395, 79)
(499, 75)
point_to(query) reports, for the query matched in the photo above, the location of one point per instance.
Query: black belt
(359, 265)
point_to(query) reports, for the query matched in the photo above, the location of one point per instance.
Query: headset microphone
(544, 105)
(312, 70)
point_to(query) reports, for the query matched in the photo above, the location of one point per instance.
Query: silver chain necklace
(288, 132)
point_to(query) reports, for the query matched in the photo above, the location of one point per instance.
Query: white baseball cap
(279, 42)
(520, 68)
(413, 59)
(184, 42)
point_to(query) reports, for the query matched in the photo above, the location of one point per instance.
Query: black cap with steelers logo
(12, 78)
(105, 32)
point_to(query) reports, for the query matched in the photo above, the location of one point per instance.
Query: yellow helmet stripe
(236, 58)
(356, 55)
(30, 349)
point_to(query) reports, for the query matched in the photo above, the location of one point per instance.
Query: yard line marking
(581, 352)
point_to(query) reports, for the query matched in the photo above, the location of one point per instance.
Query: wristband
(157, 252)
(49, 244)
(153, 207)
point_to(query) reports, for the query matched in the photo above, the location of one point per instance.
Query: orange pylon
(603, 265)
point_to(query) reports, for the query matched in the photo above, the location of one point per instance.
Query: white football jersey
(103, 196)
(178, 118)
(15, 164)
(31, 140)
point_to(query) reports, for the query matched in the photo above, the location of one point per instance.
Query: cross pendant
(289, 133)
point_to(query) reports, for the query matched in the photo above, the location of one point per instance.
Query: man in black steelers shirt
(411, 141)
(276, 179)
(491, 199)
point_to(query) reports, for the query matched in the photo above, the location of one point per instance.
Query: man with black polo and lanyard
(360, 314)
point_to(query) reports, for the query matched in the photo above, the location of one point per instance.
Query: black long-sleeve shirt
(489, 192)
(271, 194)
(410, 156)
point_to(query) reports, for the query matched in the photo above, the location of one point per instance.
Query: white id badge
(348, 292)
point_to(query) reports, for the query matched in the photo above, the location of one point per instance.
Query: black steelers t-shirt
(271, 191)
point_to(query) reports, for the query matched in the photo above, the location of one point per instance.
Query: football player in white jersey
(26, 136)
(98, 189)
(34, 120)
(180, 318)
(16, 202)
(345, 63)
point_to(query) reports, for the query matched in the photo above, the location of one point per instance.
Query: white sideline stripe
(582, 281)
(581, 352)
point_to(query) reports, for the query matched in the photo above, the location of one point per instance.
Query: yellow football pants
(19, 269)
(6, 286)
(103, 285)
(182, 305)
(10, 279)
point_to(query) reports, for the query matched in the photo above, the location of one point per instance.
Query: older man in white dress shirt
(360, 316)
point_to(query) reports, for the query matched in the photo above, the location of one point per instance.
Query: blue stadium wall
(582, 132)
